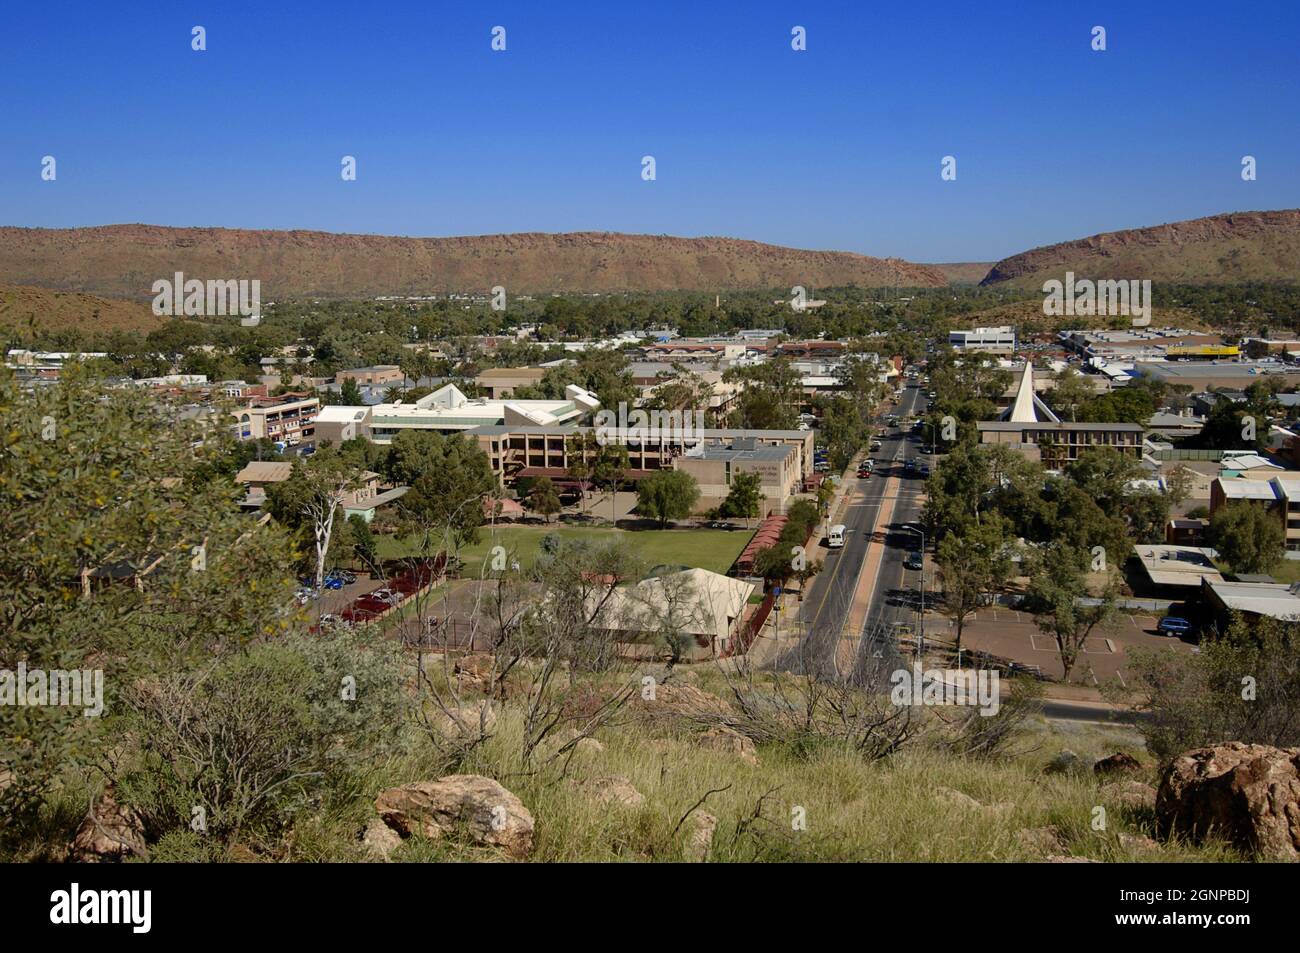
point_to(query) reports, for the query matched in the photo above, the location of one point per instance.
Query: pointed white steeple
(1027, 408)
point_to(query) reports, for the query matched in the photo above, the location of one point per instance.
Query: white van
(835, 538)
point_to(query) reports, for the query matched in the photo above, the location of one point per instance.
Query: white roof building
(448, 410)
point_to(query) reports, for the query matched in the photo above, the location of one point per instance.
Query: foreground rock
(464, 721)
(1067, 762)
(1118, 763)
(1249, 794)
(955, 798)
(1040, 840)
(729, 741)
(700, 844)
(108, 832)
(684, 702)
(481, 807)
(615, 790)
(1131, 794)
(380, 840)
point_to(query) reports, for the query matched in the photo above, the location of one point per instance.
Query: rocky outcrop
(729, 741)
(1248, 794)
(1237, 246)
(1118, 763)
(1129, 793)
(1040, 840)
(683, 702)
(1067, 762)
(109, 832)
(699, 845)
(616, 791)
(478, 806)
(123, 261)
(464, 721)
(379, 840)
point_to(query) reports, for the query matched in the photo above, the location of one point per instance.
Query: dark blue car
(1173, 625)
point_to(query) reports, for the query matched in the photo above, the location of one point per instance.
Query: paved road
(826, 609)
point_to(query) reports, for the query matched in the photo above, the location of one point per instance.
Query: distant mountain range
(124, 260)
(102, 277)
(1237, 246)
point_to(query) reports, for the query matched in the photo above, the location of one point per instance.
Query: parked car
(347, 575)
(1173, 625)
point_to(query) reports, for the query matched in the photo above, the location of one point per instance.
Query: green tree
(667, 495)
(543, 499)
(609, 470)
(448, 476)
(124, 552)
(744, 497)
(1248, 537)
(1062, 605)
(350, 393)
(972, 564)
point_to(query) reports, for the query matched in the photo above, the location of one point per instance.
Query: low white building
(448, 410)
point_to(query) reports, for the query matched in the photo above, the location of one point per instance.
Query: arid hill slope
(1237, 246)
(125, 260)
(27, 309)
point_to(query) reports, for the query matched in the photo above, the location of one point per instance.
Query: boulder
(1129, 793)
(463, 721)
(674, 701)
(615, 790)
(729, 741)
(956, 798)
(1067, 762)
(700, 843)
(380, 840)
(481, 807)
(108, 832)
(1249, 794)
(1118, 763)
(1137, 842)
(1040, 840)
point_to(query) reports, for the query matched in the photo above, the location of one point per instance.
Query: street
(847, 618)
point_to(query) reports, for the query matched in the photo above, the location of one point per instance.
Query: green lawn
(714, 549)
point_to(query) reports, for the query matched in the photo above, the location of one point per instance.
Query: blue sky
(838, 147)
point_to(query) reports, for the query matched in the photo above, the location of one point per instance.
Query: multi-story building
(1278, 496)
(379, 375)
(287, 419)
(499, 382)
(448, 410)
(1030, 427)
(1000, 340)
(528, 451)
